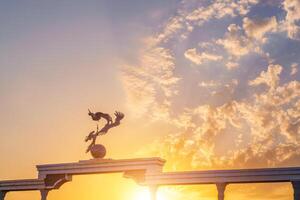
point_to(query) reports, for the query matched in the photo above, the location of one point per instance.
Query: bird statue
(98, 115)
(110, 124)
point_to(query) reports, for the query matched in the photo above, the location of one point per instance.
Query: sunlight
(144, 194)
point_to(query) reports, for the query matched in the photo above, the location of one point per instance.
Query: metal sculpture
(98, 150)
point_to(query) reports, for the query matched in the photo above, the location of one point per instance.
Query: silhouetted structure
(149, 172)
(96, 150)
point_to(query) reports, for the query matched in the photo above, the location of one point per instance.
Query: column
(2, 194)
(153, 190)
(296, 187)
(44, 194)
(221, 190)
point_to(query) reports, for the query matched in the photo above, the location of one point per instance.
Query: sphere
(98, 151)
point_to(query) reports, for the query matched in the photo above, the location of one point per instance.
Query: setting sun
(144, 194)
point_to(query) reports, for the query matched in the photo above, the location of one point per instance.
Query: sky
(203, 84)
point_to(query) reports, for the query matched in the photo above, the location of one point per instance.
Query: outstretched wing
(119, 117)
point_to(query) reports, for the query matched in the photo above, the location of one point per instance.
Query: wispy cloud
(255, 125)
(185, 19)
(257, 28)
(270, 77)
(292, 7)
(231, 65)
(151, 83)
(220, 9)
(255, 122)
(235, 42)
(199, 58)
(294, 68)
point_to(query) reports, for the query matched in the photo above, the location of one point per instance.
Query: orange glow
(204, 85)
(144, 194)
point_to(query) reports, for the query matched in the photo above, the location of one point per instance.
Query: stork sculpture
(109, 124)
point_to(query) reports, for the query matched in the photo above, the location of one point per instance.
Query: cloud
(173, 26)
(220, 9)
(218, 89)
(209, 84)
(263, 129)
(292, 7)
(235, 42)
(259, 129)
(150, 84)
(231, 65)
(257, 28)
(195, 57)
(185, 20)
(239, 41)
(215, 10)
(294, 68)
(269, 78)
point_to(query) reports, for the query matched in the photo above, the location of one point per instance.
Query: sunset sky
(203, 84)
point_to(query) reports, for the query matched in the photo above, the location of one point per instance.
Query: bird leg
(94, 136)
(90, 136)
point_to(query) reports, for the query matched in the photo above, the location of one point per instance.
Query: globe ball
(98, 151)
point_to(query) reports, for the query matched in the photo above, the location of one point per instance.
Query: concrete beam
(52, 176)
(21, 185)
(98, 166)
(224, 176)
